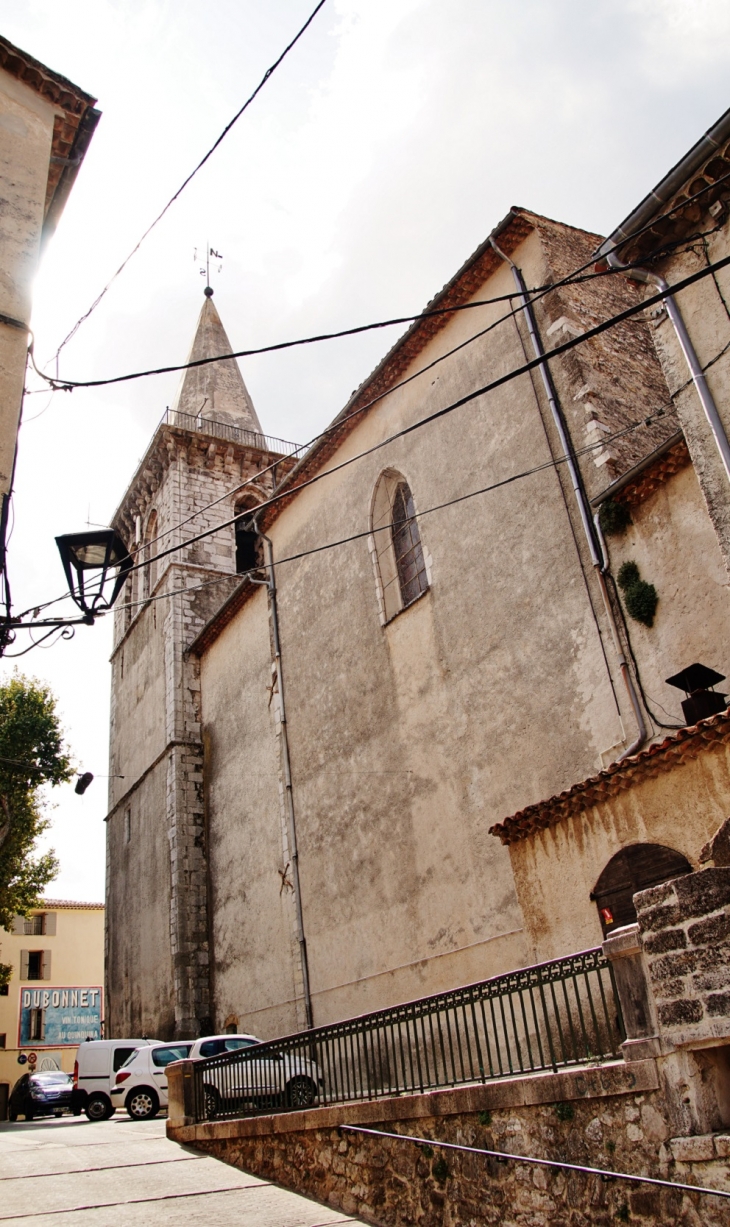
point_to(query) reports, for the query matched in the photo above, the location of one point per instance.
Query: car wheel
(28, 1114)
(12, 1116)
(58, 1115)
(142, 1103)
(98, 1107)
(212, 1101)
(300, 1092)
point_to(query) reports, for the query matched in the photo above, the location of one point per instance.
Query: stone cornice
(166, 443)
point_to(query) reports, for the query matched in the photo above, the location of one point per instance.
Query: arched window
(633, 869)
(396, 543)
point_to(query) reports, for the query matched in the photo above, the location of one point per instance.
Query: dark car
(42, 1094)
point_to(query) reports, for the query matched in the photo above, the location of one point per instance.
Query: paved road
(119, 1172)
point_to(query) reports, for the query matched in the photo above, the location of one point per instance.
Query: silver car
(273, 1080)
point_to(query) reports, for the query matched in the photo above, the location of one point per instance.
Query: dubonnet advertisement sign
(69, 1016)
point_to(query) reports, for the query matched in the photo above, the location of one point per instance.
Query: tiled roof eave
(647, 764)
(70, 904)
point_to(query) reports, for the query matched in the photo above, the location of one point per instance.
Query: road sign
(22, 1058)
(32, 1058)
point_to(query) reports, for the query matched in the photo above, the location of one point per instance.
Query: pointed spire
(215, 391)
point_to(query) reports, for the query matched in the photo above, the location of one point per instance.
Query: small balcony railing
(554, 1015)
(232, 434)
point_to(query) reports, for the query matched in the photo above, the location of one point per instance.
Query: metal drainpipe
(623, 664)
(270, 584)
(698, 376)
(600, 564)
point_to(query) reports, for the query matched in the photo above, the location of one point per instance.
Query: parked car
(274, 1080)
(95, 1071)
(141, 1083)
(42, 1094)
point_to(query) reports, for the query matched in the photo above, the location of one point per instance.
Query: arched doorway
(632, 869)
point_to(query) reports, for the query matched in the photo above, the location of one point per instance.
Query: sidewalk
(72, 1171)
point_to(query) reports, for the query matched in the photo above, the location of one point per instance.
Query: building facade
(467, 598)
(55, 997)
(46, 124)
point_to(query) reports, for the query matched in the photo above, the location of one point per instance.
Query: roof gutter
(715, 136)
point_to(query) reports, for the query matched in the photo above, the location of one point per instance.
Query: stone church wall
(497, 687)
(255, 962)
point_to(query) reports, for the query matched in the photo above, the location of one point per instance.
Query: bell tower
(207, 458)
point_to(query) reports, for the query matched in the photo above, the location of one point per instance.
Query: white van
(95, 1071)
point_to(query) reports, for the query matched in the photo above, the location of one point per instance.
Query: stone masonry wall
(685, 931)
(185, 485)
(591, 1118)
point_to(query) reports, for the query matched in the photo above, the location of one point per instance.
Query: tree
(32, 754)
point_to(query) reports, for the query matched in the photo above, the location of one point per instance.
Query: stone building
(313, 765)
(46, 124)
(206, 447)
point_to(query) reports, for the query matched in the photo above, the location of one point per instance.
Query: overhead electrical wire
(710, 270)
(534, 296)
(552, 463)
(500, 381)
(269, 72)
(342, 420)
(574, 278)
(69, 385)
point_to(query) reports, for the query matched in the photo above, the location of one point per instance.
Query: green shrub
(564, 1111)
(628, 575)
(485, 1118)
(641, 602)
(614, 518)
(640, 598)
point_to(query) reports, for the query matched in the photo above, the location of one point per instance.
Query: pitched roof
(216, 391)
(72, 130)
(664, 756)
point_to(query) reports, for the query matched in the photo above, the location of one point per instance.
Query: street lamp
(87, 561)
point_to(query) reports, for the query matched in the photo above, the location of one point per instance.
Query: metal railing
(557, 1014)
(232, 434)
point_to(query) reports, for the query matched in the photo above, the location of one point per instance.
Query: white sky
(394, 137)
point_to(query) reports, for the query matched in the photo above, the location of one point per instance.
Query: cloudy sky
(390, 142)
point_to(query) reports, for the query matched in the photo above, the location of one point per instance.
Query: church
(430, 700)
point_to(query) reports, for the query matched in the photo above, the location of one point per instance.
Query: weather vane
(205, 272)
